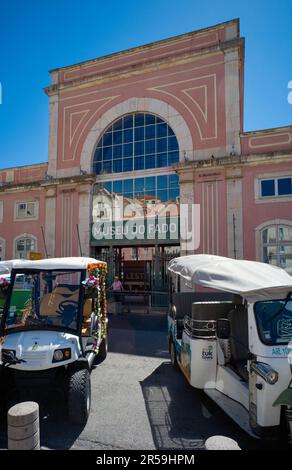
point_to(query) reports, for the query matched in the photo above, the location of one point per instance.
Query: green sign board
(143, 231)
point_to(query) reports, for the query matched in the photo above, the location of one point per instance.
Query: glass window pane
(150, 132)
(173, 157)
(107, 153)
(139, 148)
(128, 150)
(117, 187)
(108, 186)
(150, 161)
(139, 133)
(162, 130)
(162, 195)
(128, 164)
(149, 146)
(139, 184)
(107, 166)
(172, 143)
(117, 151)
(139, 163)
(150, 182)
(149, 119)
(162, 182)
(128, 186)
(161, 160)
(173, 181)
(128, 195)
(118, 166)
(128, 135)
(285, 233)
(98, 155)
(161, 145)
(173, 194)
(128, 121)
(158, 120)
(139, 119)
(117, 137)
(284, 186)
(97, 167)
(118, 125)
(107, 139)
(268, 188)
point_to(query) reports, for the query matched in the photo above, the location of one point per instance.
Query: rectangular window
(281, 186)
(26, 210)
(284, 186)
(268, 188)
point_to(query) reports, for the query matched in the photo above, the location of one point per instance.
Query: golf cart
(52, 335)
(234, 339)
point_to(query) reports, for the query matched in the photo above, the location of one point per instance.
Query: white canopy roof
(6, 266)
(55, 263)
(251, 279)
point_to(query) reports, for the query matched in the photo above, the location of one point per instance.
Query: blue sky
(39, 35)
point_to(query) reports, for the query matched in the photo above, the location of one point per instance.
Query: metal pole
(234, 237)
(79, 242)
(44, 240)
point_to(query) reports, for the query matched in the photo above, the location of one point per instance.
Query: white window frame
(259, 232)
(275, 177)
(26, 217)
(23, 236)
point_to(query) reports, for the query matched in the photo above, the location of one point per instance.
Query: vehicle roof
(56, 263)
(6, 266)
(253, 280)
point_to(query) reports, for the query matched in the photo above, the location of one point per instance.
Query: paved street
(139, 401)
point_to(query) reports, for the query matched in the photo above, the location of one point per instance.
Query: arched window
(137, 141)
(276, 243)
(23, 246)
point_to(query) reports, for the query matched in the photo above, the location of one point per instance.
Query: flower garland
(4, 283)
(95, 285)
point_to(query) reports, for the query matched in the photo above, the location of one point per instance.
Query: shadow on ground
(182, 417)
(55, 429)
(144, 335)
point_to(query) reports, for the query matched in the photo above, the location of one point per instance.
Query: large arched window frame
(23, 245)
(275, 239)
(136, 141)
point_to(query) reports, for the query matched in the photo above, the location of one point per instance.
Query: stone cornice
(47, 184)
(133, 70)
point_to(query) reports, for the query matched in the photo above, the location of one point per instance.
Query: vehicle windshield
(44, 299)
(274, 320)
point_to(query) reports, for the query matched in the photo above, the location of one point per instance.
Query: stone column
(85, 216)
(50, 220)
(234, 212)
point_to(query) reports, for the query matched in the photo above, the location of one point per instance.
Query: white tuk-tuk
(235, 344)
(53, 327)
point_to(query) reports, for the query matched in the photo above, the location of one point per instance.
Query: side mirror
(223, 330)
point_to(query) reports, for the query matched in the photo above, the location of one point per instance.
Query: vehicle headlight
(62, 355)
(265, 371)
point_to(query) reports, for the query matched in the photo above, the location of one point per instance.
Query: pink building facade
(166, 120)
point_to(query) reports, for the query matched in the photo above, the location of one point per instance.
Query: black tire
(102, 352)
(172, 353)
(79, 399)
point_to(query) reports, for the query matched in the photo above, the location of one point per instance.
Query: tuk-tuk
(52, 335)
(230, 333)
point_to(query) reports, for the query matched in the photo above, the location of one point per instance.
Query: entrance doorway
(142, 270)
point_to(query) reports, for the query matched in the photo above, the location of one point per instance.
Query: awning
(250, 279)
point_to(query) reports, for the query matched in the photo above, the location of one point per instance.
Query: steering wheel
(68, 309)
